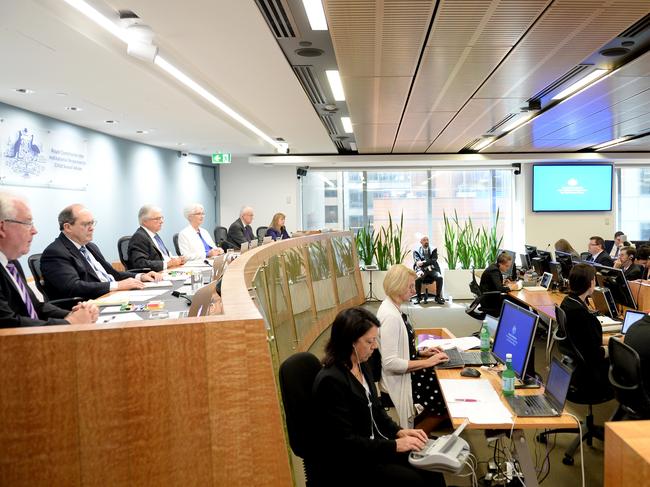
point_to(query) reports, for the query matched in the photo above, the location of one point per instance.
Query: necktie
(22, 288)
(161, 245)
(248, 231)
(96, 266)
(206, 246)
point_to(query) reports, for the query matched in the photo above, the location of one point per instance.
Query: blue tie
(206, 246)
(22, 288)
(99, 270)
(161, 245)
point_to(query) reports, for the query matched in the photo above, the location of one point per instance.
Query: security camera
(517, 167)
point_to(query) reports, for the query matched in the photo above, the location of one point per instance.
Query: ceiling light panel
(315, 14)
(581, 83)
(335, 84)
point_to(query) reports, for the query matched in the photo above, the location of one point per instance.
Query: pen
(109, 319)
(465, 400)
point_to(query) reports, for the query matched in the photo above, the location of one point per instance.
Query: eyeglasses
(198, 214)
(157, 219)
(92, 223)
(29, 224)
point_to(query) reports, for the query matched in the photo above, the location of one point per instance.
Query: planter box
(377, 283)
(456, 282)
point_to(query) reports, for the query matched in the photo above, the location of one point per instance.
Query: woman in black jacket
(360, 444)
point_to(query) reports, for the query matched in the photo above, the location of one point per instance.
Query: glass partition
(279, 311)
(344, 266)
(299, 290)
(321, 276)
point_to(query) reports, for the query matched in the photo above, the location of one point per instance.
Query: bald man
(241, 231)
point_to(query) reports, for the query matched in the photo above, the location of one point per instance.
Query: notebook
(551, 402)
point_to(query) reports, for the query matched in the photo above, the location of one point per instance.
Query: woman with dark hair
(563, 245)
(584, 329)
(360, 444)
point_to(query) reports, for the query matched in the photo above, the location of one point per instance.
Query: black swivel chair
(34, 263)
(584, 256)
(221, 237)
(123, 252)
(480, 297)
(581, 391)
(297, 374)
(625, 376)
(176, 247)
(261, 233)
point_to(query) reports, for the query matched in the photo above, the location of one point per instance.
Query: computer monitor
(631, 317)
(639, 243)
(556, 272)
(614, 280)
(515, 334)
(511, 272)
(566, 261)
(541, 262)
(525, 261)
(531, 250)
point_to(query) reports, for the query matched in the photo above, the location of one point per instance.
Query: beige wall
(542, 229)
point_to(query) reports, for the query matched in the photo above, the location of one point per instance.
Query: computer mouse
(470, 372)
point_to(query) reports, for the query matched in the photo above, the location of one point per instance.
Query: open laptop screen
(558, 382)
(631, 317)
(515, 335)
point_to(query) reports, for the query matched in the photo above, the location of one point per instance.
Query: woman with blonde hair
(407, 373)
(276, 229)
(563, 245)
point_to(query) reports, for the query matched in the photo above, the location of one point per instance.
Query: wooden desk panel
(627, 453)
(542, 301)
(641, 292)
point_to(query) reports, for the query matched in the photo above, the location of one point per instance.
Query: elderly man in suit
(19, 306)
(146, 248)
(241, 231)
(425, 264)
(74, 266)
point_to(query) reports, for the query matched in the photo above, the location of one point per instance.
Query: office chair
(473, 309)
(176, 247)
(261, 233)
(584, 256)
(627, 380)
(220, 234)
(123, 253)
(296, 377)
(581, 391)
(206, 301)
(34, 263)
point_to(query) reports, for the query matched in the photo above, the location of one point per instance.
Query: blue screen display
(572, 187)
(515, 335)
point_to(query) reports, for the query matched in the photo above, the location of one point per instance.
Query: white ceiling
(48, 47)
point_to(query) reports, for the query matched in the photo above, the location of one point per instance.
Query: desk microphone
(177, 294)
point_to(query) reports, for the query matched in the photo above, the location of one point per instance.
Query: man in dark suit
(643, 260)
(146, 248)
(74, 266)
(18, 305)
(425, 264)
(597, 252)
(492, 280)
(241, 231)
(625, 261)
(638, 337)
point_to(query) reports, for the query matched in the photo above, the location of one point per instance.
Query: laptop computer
(631, 317)
(544, 283)
(551, 402)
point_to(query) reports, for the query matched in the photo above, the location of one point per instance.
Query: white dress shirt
(190, 244)
(152, 236)
(95, 264)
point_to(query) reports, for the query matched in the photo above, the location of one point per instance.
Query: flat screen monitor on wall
(572, 187)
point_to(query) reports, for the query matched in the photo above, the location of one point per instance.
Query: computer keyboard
(478, 358)
(455, 359)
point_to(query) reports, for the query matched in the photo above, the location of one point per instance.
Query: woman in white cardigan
(195, 242)
(407, 373)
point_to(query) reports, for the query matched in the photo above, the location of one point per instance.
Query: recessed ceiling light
(179, 144)
(111, 121)
(335, 84)
(315, 14)
(61, 94)
(581, 83)
(309, 52)
(24, 91)
(347, 125)
(73, 109)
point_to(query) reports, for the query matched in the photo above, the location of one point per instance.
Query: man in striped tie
(73, 265)
(18, 305)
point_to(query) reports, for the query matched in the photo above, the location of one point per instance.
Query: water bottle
(508, 377)
(485, 337)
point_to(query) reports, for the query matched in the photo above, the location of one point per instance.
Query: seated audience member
(358, 443)
(619, 243)
(625, 261)
(563, 245)
(584, 329)
(643, 259)
(74, 266)
(19, 307)
(407, 373)
(276, 229)
(194, 241)
(638, 337)
(492, 280)
(240, 230)
(146, 248)
(425, 264)
(597, 252)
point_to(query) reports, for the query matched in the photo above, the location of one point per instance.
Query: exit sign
(222, 158)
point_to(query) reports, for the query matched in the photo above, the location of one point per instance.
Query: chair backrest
(34, 263)
(474, 287)
(297, 374)
(220, 234)
(261, 233)
(218, 267)
(176, 247)
(565, 344)
(206, 301)
(625, 375)
(123, 250)
(584, 255)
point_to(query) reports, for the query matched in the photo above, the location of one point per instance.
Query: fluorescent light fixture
(518, 121)
(335, 84)
(614, 142)
(581, 83)
(173, 71)
(315, 14)
(347, 125)
(483, 143)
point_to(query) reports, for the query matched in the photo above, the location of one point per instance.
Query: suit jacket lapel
(78, 256)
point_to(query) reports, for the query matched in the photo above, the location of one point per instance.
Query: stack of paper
(463, 343)
(475, 400)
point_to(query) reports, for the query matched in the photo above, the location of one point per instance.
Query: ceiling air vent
(339, 145)
(560, 81)
(329, 124)
(310, 83)
(278, 17)
(469, 146)
(505, 120)
(636, 28)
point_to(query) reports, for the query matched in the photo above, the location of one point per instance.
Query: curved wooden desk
(177, 402)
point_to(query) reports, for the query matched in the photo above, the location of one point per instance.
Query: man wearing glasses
(146, 248)
(74, 266)
(18, 305)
